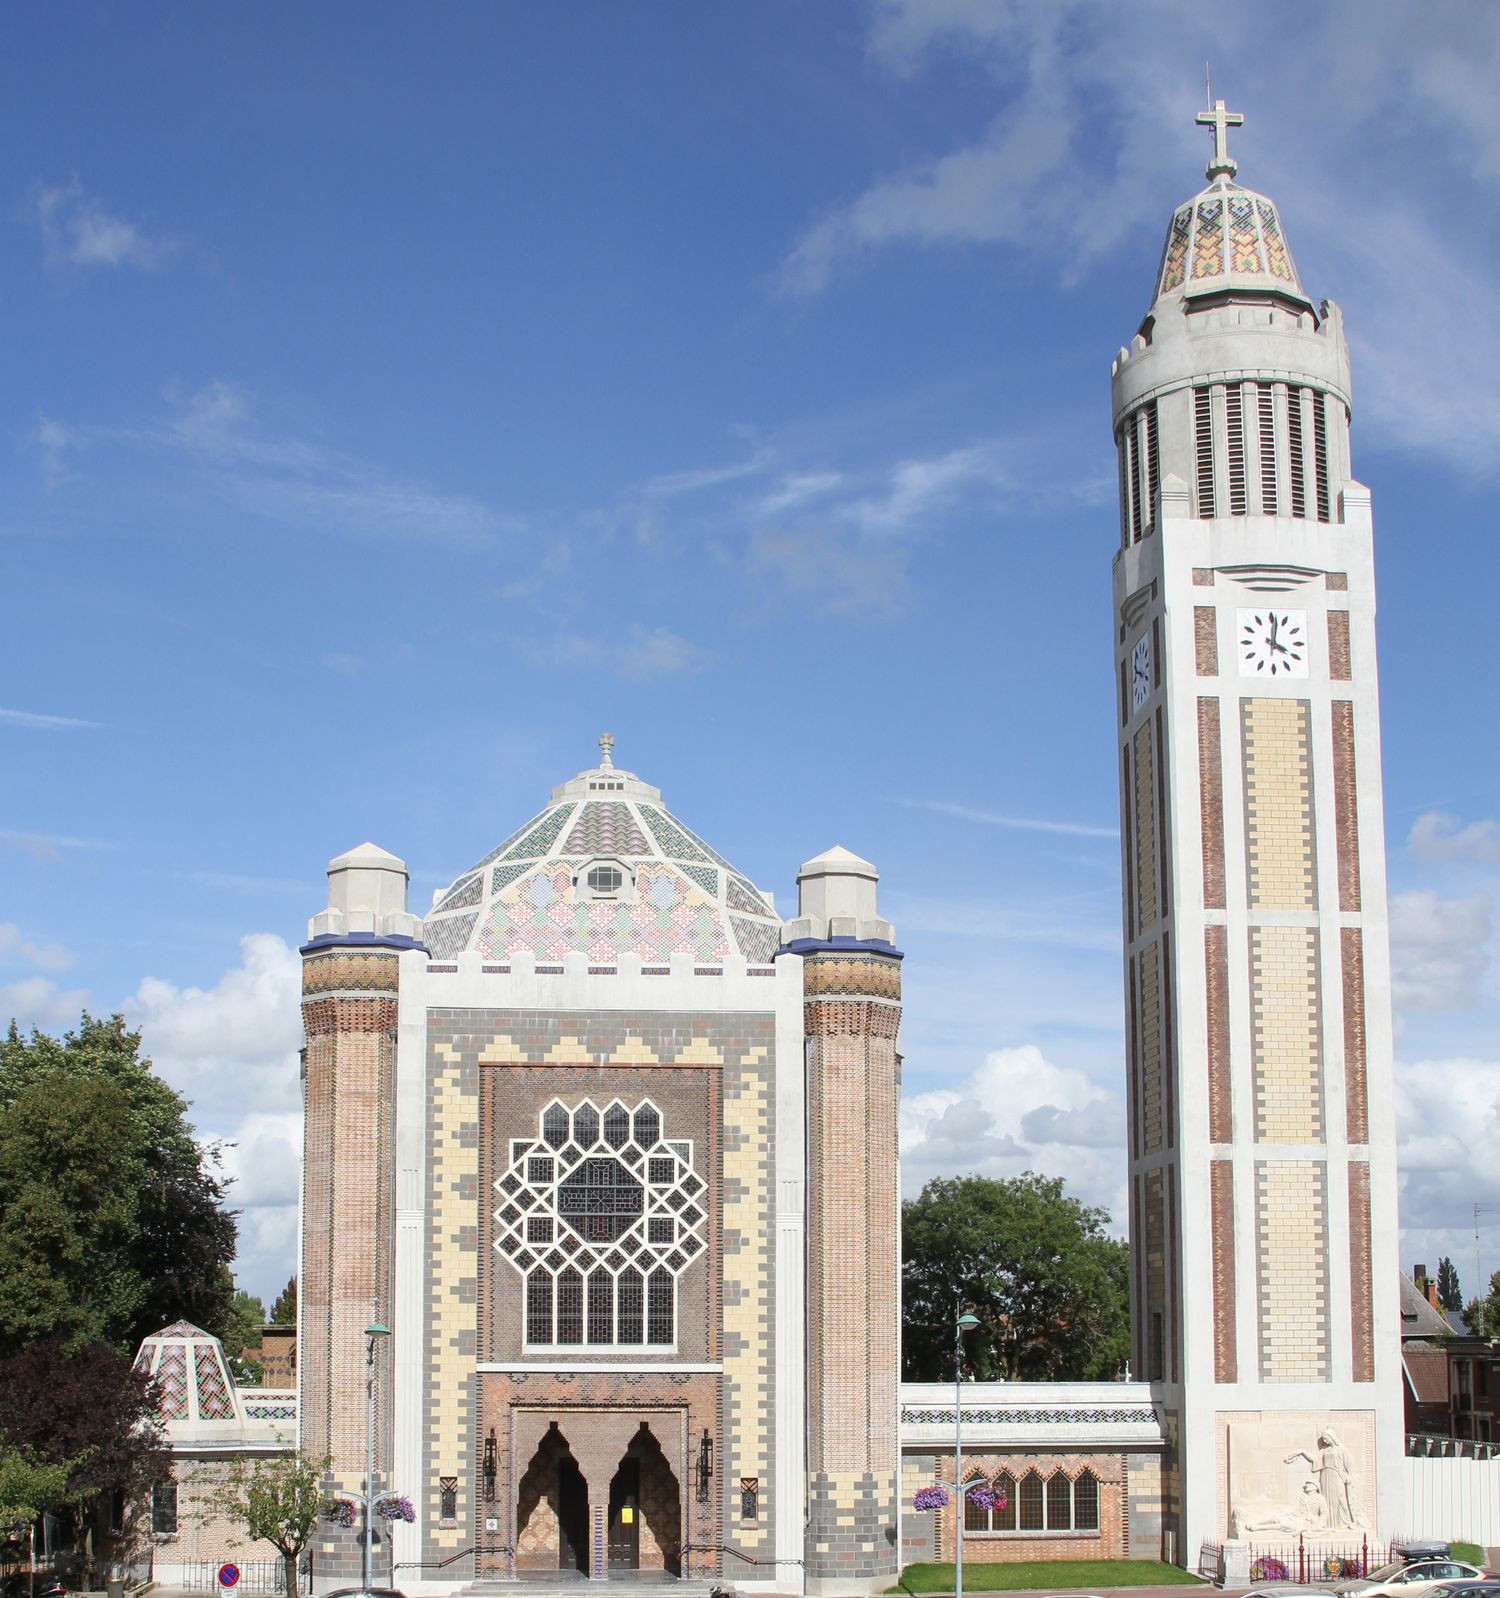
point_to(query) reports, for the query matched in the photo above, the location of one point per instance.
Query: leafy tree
(247, 1315)
(112, 1220)
(1450, 1296)
(278, 1500)
(1050, 1288)
(1483, 1316)
(284, 1310)
(27, 1489)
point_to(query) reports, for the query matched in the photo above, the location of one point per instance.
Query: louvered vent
(1153, 472)
(1234, 428)
(1203, 448)
(1124, 486)
(1320, 450)
(1133, 471)
(1265, 401)
(1294, 441)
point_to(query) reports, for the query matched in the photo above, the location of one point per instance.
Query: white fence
(1448, 1497)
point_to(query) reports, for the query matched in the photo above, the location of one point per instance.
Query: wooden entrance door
(625, 1516)
(572, 1517)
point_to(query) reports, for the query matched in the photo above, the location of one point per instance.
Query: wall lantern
(705, 1465)
(489, 1467)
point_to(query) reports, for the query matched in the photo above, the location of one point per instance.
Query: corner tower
(1262, 1159)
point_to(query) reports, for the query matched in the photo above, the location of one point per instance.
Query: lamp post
(366, 1551)
(960, 1326)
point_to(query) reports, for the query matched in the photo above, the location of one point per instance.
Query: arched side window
(569, 1307)
(1059, 1502)
(538, 1307)
(1086, 1502)
(976, 1516)
(1029, 1502)
(1005, 1490)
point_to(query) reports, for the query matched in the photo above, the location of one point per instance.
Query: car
(1487, 1587)
(1405, 1580)
(364, 1592)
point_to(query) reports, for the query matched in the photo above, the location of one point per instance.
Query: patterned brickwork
(1286, 1035)
(852, 1273)
(1338, 580)
(606, 827)
(464, 893)
(1145, 829)
(1206, 640)
(1345, 805)
(831, 975)
(1211, 803)
(1352, 961)
(1203, 576)
(1154, 1364)
(1151, 1039)
(1338, 645)
(1361, 1309)
(749, 1322)
(1278, 804)
(1291, 1241)
(350, 971)
(1216, 985)
(1221, 1220)
(1003, 1472)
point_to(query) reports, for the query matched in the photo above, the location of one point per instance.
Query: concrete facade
(1262, 1150)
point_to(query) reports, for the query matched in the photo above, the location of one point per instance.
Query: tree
(1483, 1316)
(284, 1310)
(112, 1221)
(1050, 1288)
(278, 1500)
(1450, 1295)
(28, 1489)
(247, 1315)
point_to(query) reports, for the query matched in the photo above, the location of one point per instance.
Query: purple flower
(929, 1498)
(392, 1506)
(983, 1496)
(340, 1511)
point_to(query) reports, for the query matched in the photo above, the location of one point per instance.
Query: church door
(572, 1517)
(625, 1516)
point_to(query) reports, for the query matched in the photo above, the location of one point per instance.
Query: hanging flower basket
(983, 1496)
(392, 1507)
(341, 1511)
(929, 1498)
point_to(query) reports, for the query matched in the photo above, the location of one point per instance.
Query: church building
(609, 1152)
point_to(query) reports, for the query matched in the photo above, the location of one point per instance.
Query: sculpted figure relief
(1334, 1467)
(1308, 1513)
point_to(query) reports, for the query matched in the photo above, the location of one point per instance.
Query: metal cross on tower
(1220, 120)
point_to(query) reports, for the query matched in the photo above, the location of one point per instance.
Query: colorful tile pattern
(214, 1399)
(1277, 258)
(705, 876)
(448, 938)
(1174, 260)
(670, 838)
(1208, 246)
(496, 853)
(541, 838)
(1244, 252)
(172, 1375)
(739, 895)
(541, 916)
(465, 892)
(503, 876)
(758, 940)
(606, 827)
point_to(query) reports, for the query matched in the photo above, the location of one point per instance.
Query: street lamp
(960, 1326)
(371, 1334)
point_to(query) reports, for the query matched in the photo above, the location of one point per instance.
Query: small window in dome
(605, 879)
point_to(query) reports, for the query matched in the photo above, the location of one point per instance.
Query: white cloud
(40, 721)
(47, 846)
(991, 818)
(53, 441)
(344, 665)
(642, 653)
(834, 570)
(45, 956)
(78, 231)
(1437, 839)
(39, 1002)
(1019, 1112)
(232, 1048)
(1438, 953)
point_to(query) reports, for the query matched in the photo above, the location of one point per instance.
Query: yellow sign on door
(627, 1515)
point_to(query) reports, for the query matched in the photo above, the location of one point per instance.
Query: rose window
(600, 1214)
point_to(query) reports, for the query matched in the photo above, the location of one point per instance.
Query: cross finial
(1220, 120)
(606, 743)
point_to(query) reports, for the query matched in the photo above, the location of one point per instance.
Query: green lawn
(1471, 1553)
(1072, 1575)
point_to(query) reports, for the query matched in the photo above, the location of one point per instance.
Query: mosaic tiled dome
(1228, 239)
(657, 889)
(193, 1380)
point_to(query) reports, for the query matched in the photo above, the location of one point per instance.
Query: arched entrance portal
(552, 1509)
(645, 1510)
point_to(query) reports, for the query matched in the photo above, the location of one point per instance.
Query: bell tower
(1262, 1158)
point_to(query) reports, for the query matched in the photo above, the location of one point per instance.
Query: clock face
(1273, 643)
(1140, 672)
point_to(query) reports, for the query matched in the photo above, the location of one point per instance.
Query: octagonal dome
(193, 1380)
(1228, 240)
(604, 870)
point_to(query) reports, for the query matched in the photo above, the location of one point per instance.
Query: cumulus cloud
(641, 653)
(1019, 1111)
(1438, 839)
(14, 945)
(39, 1002)
(78, 231)
(1438, 953)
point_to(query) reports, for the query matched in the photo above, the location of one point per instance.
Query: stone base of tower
(853, 1543)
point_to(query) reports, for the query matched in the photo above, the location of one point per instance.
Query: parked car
(1489, 1587)
(1403, 1579)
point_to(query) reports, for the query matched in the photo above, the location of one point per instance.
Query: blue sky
(395, 399)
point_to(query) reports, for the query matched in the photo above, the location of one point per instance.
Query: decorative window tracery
(600, 1215)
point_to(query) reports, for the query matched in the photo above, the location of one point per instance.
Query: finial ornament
(1223, 165)
(606, 743)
